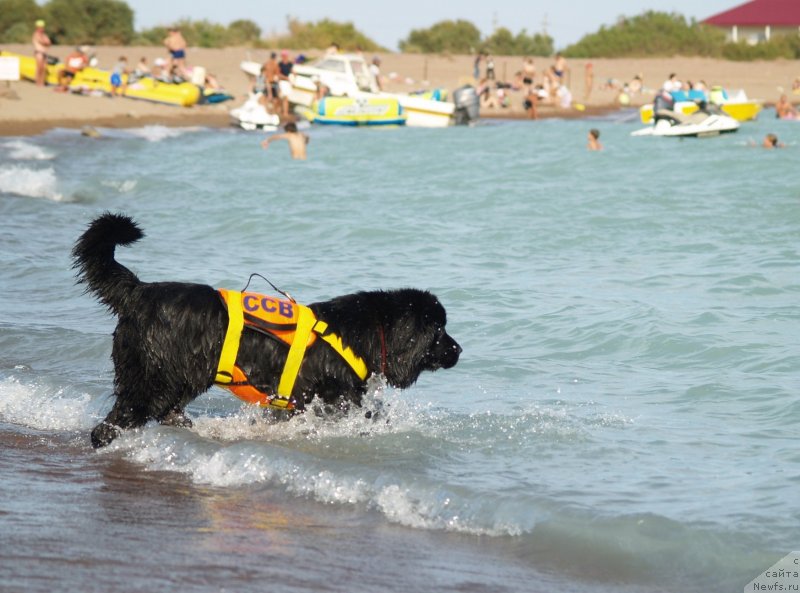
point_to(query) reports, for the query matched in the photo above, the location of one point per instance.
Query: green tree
(152, 36)
(650, 34)
(203, 33)
(503, 42)
(17, 18)
(321, 34)
(108, 22)
(461, 37)
(779, 46)
(243, 31)
(538, 44)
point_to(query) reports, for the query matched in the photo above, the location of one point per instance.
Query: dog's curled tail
(93, 256)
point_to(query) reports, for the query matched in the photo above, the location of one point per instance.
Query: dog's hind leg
(176, 417)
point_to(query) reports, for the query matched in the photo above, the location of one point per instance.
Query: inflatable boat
(358, 111)
(147, 89)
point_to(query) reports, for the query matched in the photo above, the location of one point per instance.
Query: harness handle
(250, 279)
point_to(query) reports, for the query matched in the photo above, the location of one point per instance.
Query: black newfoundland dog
(169, 339)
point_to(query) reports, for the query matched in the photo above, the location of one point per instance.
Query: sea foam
(31, 183)
(20, 150)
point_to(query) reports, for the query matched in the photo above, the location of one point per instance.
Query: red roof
(759, 13)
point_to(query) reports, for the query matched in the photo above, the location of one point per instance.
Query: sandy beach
(26, 109)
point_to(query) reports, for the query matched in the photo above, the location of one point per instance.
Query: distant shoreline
(36, 109)
(187, 118)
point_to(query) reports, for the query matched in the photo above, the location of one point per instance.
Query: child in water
(594, 140)
(297, 141)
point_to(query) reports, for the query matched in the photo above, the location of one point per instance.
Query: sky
(387, 23)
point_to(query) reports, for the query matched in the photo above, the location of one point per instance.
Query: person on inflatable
(75, 62)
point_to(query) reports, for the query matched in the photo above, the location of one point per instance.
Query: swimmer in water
(297, 141)
(594, 140)
(771, 141)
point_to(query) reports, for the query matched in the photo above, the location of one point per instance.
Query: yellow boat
(740, 111)
(184, 94)
(361, 111)
(147, 89)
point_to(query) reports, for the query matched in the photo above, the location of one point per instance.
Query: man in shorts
(41, 43)
(176, 45)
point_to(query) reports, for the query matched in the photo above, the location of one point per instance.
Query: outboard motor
(468, 105)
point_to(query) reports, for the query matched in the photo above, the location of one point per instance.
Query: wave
(390, 464)
(157, 133)
(21, 150)
(45, 407)
(123, 186)
(31, 183)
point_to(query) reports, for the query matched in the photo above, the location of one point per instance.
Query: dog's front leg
(120, 417)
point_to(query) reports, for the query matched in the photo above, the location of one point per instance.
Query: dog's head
(416, 338)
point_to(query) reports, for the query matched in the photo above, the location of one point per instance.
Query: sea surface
(624, 416)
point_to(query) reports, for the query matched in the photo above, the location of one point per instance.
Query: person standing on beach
(118, 86)
(561, 70)
(41, 43)
(489, 67)
(297, 141)
(375, 72)
(588, 80)
(528, 74)
(530, 103)
(176, 45)
(784, 109)
(285, 67)
(271, 71)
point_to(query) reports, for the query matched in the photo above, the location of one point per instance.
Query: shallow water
(622, 418)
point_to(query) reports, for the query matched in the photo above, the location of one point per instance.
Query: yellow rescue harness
(292, 323)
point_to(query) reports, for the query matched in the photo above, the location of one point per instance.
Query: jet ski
(254, 116)
(701, 123)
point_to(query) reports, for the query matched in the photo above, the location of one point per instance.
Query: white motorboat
(696, 125)
(254, 116)
(348, 75)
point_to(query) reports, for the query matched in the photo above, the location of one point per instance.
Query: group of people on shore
(274, 84)
(551, 87)
(171, 70)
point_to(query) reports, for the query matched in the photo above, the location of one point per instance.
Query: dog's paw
(176, 418)
(103, 434)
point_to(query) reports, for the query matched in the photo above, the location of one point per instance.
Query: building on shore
(758, 20)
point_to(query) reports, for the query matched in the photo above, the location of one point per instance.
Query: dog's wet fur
(169, 337)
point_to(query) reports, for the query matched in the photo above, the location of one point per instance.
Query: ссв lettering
(252, 303)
